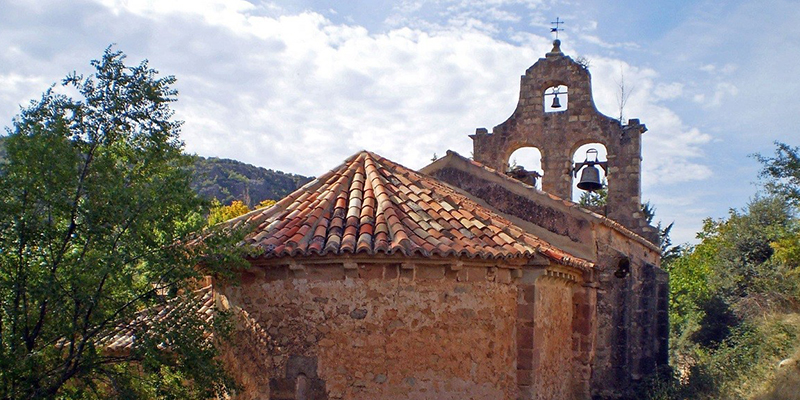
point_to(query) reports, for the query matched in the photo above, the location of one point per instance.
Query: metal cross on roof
(555, 30)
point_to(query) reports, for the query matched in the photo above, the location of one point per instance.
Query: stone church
(459, 281)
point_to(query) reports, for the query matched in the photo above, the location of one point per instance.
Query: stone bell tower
(558, 135)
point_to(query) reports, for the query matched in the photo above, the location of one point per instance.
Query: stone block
(391, 271)
(503, 275)
(430, 272)
(583, 326)
(275, 273)
(524, 359)
(370, 271)
(462, 275)
(451, 274)
(476, 274)
(524, 377)
(524, 336)
(526, 312)
(358, 313)
(406, 273)
(528, 293)
(298, 273)
(526, 392)
(324, 272)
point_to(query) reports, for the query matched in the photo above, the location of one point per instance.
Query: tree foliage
(220, 213)
(782, 172)
(735, 295)
(597, 198)
(95, 213)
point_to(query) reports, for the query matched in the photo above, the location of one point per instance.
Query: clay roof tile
(372, 205)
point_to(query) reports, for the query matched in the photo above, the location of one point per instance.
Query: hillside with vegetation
(735, 298)
(228, 180)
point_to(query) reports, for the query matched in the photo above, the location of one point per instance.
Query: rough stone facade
(558, 135)
(397, 329)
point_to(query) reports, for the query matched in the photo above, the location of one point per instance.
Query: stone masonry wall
(546, 356)
(632, 331)
(620, 327)
(388, 331)
(550, 343)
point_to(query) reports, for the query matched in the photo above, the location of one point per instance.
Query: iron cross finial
(555, 30)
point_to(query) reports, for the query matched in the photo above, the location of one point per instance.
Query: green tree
(597, 198)
(95, 214)
(782, 175)
(734, 295)
(726, 297)
(782, 172)
(220, 213)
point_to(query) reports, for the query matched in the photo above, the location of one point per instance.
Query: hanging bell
(590, 179)
(556, 103)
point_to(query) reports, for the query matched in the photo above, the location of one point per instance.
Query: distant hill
(229, 180)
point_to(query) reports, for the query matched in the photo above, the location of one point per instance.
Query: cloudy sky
(298, 86)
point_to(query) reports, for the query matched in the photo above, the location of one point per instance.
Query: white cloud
(722, 90)
(271, 88)
(708, 68)
(672, 151)
(264, 89)
(17, 90)
(726, 69)
(729, 68)
(592, 39)
(668, 91)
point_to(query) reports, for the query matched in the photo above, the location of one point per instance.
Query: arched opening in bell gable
(556, 98)
(525, 164)
(590, 158)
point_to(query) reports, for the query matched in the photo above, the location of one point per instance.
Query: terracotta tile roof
(122, 339)
(370, 205)
(124, 336)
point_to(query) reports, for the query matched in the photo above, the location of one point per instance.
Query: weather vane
(557, 22)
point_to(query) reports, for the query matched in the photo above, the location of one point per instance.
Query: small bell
(590, 179)
(556, 103)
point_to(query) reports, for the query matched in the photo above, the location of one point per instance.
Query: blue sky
(299, 86)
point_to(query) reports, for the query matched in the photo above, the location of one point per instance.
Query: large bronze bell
(590, 179)
(556, 103)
